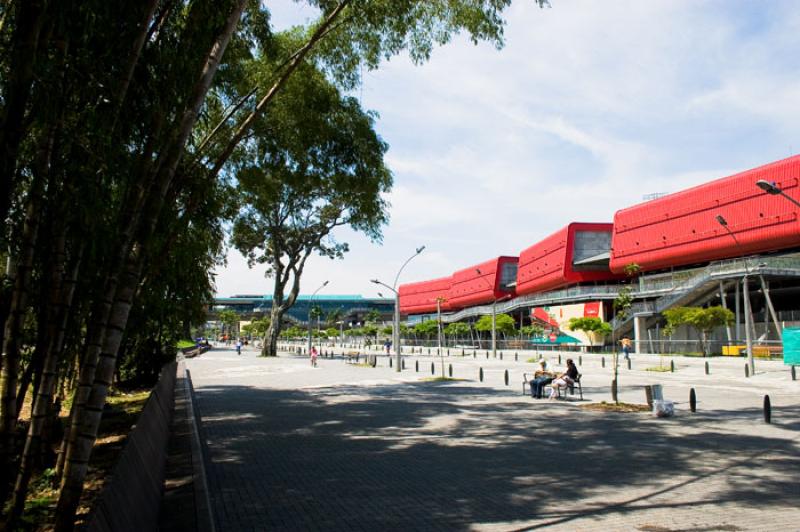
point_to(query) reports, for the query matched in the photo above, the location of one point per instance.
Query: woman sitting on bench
(565, 379)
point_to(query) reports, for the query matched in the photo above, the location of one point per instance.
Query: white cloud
(590, 106)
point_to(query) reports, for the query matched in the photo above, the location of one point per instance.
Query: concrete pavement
(352, 448)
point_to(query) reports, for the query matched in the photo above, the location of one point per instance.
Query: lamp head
(478, 271)
(420, 249)
(721, 220)
(374, 281)
(768, 187)
(325, 283)
(380, 295)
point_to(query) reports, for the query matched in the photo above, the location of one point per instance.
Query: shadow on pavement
(443, 456)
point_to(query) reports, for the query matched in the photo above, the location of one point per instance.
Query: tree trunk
(42, 406)
(24, 46)
(270, 348)
(88, 419)
(11, 337)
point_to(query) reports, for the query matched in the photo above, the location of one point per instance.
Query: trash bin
(653, 392)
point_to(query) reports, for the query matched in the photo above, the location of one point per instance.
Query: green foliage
(229, 318)
(622, 303)
(294, 332)
(331, 332)
(532, 330)
(504, 324)
(369, 330)
(387, 331)
(184, 344)
(373, 316)
(632, 269)
(258, 327)
(590, 325)
(704, 320)
(457, 329)
(426, 329)
(315, 312)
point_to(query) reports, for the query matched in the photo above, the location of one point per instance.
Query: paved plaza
(342, 447)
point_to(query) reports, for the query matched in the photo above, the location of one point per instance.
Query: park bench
(351, 357)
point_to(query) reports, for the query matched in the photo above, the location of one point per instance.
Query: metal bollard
(692, 400)
(629, 363)
(602, 362)
(416, 366)
(474, 354)
(501, 356)
(559, 360)
(767, 410)
(487, 355)
(672, 366)
(516, 357)
(480, 374)
(450, 369)
(462, 351)
(794, 375)
(506, 377)
(580, 360)
(403, 363)
(708, 370)
(390, 362)
(746, 370)
(433, 368)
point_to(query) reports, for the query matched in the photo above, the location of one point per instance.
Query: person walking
(239, 346)
(314, 355)
(626, 347)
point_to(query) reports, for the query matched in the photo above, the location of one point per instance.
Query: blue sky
(588, 107)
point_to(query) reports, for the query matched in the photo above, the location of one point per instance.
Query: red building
(420, 298)
(682, 228)
(483, 283)
(575, 254)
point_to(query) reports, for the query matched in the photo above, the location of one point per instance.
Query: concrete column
(638, 331)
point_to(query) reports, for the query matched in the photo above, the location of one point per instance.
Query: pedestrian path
(340, 447)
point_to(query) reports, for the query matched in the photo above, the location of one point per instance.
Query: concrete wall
(131, 500)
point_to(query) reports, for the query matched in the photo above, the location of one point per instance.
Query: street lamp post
(310, 303)
(396, 324)
(775, 190)
(494, 314)
(439, 301)
(746, 289)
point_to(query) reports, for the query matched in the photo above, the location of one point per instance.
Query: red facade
(420, 298)
(682, 229)
(471, 288)
(548, 264)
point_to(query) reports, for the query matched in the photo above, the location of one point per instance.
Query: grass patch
(362, 365)
(533, 360)
(119, 416)
(185, 344)
(658, 368)
(616, 407)
(440, 379)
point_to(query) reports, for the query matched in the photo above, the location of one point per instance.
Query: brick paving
(351, 448)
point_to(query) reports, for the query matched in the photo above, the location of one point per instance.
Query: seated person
(541, 378)
(565, 379)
